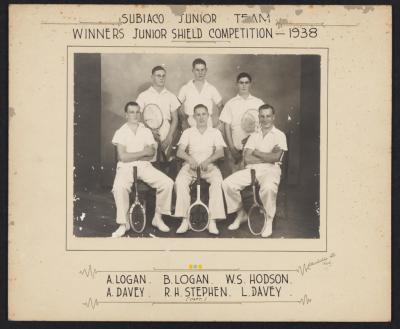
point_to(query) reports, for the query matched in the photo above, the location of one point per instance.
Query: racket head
(257, 219)
(137, 217)
(152, 116)
(249, 121)
(198, 217)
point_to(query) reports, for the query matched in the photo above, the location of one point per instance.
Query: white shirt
(165, 100)
(190, 97)
(232, 114)
(201, 145)
(133, 142)
(266, 143)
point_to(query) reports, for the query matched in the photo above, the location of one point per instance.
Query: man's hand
(167, 142)
(193, 163)
(184, 124)
(156, 134)
(148, 150)
(237, 156)
(276, 149)
(204, 165)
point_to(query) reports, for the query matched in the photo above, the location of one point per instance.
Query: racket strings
(137, 218)
(256, 219)
(152, 116)
(249, 121)
(198, 217)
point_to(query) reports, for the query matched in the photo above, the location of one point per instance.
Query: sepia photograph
(196, 145)
(166, 159)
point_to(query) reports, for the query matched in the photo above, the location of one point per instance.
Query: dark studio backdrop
(104, 83)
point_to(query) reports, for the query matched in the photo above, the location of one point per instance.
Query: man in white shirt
(262, 152)
(166, 101)
(199, 91)
(200, 146)
(232, 115)
(136, 147)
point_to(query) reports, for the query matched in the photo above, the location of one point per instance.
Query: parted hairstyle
(266, 107)
(199, 106)
(199, 61)
(243, 75)
(157, 68)
(130, 104)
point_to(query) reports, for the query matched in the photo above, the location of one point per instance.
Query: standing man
(200, 146)
(232, 115)
(262, 152)
(199, 91)
(166, 101)
(136, 147)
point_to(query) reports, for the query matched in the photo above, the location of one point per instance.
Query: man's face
(266, 118)
(244, 86)
(201, 117)
(158, 78)
(199, 72)
(133, 114)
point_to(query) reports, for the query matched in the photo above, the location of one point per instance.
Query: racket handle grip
(253, 176)
(134, 173)
(198, 175)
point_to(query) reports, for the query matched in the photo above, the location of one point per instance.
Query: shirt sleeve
(226, 114)
(184, 140)
(218, 139)
(118, 138)
(251, 142)
(282, 141)
(140, 101)
(216, 96)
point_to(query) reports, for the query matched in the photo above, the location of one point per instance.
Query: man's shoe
(212, 227)
(240, 218)
(183, 227)
(268, 229)
(121, 230)
(159, 223)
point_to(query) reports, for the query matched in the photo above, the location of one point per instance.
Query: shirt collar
(208, 129)
(248, 97)
(153, 90)
(191, 82)
(272, 131)
(140, 125)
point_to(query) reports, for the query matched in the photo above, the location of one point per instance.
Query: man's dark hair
(243, 75)
(199, 106)
(130, 104)
(266, 107)
(199, 61)
(157, 68)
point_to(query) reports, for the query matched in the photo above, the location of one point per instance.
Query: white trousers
(213, 177)
(268, 177)
(148, 174)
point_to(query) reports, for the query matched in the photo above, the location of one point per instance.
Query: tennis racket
(249, 121)
(137, 213)
(198, 211)
(153, 119)
(249, 124)
(257, 216)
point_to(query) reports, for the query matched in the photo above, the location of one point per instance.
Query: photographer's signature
(302, 269)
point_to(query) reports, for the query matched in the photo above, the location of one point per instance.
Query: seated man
(136, 147)
(262, 152)
(200, 146)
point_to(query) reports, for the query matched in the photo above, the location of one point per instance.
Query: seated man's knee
(267, 187)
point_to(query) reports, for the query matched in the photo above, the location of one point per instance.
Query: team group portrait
(195, 145)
